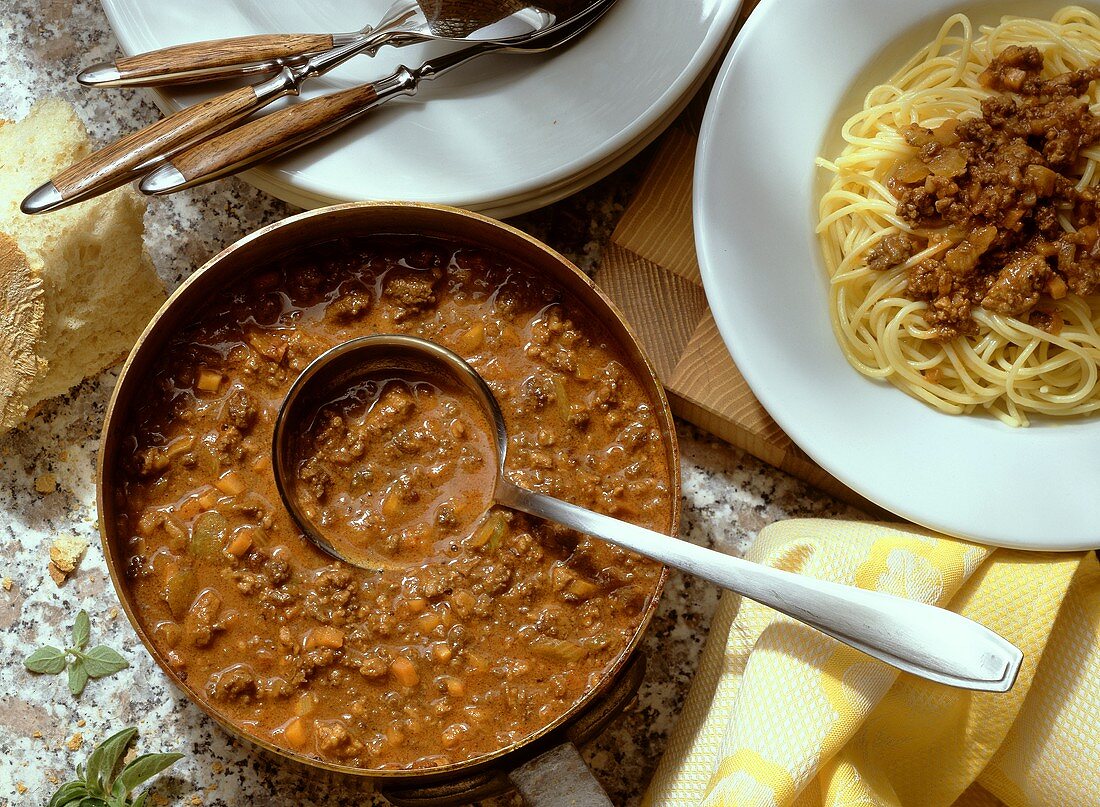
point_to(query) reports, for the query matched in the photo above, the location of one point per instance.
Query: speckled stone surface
(727, 497)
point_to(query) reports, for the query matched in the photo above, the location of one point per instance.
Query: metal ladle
(924, 640)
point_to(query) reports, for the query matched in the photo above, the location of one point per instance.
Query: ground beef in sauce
(990, 192)
(505, 623)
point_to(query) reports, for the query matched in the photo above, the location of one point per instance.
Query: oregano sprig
(106, 783)
(81, 664)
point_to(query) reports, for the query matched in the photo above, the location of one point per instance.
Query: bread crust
(22, 309)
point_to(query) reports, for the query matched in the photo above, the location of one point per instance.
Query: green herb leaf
(104, 759)
(102, 660)
(141, 769)
(78, 676)
(99, 786)
(68, 793)
(82, 630)
(49, 660)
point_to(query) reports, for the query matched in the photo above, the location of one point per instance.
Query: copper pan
(358, 219)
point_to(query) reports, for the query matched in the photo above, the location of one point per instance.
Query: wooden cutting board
(650, 270)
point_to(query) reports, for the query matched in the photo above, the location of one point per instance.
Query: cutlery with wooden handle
(407, 22)
(300, 124)
(213, 59)
(138, 153)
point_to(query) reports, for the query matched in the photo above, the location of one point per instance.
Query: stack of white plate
(502, 135)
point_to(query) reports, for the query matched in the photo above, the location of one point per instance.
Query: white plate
(517, 205)
(499, 128)
(796, 70)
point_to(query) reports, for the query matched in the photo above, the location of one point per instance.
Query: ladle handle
(931, 642)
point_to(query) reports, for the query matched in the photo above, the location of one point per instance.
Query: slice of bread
(91, 287)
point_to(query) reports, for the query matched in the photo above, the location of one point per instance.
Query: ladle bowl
(931, 642)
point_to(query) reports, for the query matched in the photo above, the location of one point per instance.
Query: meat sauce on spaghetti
(990, 198)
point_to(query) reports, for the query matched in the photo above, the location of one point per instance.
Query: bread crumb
(196, 800)
(37, 735)
(210, 788)
(22, 788)
(81, 723)
(6, 583)
(76, 741)
(45, 483)
(216, 767)
(113, 613)
(64, 455)
(65, 554)
(53, 779)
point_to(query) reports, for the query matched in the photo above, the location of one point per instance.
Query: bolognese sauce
(501, 622)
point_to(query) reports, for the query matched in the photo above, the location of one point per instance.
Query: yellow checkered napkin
(782, 715)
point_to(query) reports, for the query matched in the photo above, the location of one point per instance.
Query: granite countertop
(47, 488)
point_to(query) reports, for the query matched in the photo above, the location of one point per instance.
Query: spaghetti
(1007, 366)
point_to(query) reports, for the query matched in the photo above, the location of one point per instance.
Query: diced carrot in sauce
(473, 339)
(405, 672)
(230, 483)
(1057, 287)
(209, 499)
(325, 636)
(296, 733)
(429, 622)
(209, 380)
(391, 506)
(190, 508)
(240, 543)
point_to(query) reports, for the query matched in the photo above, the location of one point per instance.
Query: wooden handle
(206, 59)
(114, 165)
(272, 135)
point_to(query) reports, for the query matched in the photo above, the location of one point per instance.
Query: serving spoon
(405, 23)
(137, 153)
(924, 640)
